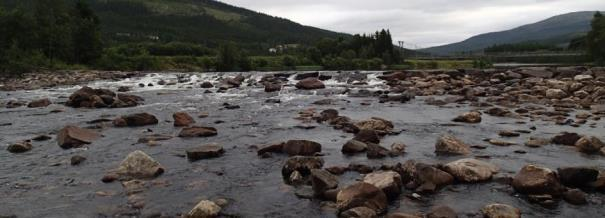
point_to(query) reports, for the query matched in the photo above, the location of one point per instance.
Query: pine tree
(596, 39)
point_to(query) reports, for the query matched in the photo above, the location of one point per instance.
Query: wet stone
(205, 152)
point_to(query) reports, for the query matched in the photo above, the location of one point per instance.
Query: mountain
(559, 29)
(200, 21)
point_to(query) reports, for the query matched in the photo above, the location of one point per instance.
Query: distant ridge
(555, 30)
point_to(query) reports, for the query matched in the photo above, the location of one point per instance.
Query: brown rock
(566, 138)
(362, 195)
(301, 148)
(276, 148)
(442, 212)
(367, 136)
(448, 144)
(575, 197)
(301, 164)
(589, 144)
(204, 209)
(205, 152)
(578, 177)
(322, 181)
(388, 181)
(376, 151)
(19, 147)
(310, 83)
(354, 146)
(500, 211)
(197, 131)
(74, 137)
(471, 170)
(135, 120)
(182, 119)
(535, 180)
(39, 103)
(469, 117)
(358, 212)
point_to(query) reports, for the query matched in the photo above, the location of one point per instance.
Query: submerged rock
(205, 152)
(39, 103)
(74, 137)
(471, 170)
(577, 177)
(500, 211)
(566, 138)
(441, 212)
(448, 144)
(197, 131)
(100, 98)
(19, 147)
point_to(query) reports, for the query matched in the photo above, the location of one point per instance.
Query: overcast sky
(422, 23)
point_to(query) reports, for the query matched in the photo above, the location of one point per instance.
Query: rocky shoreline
(518, 102)
(32, 81)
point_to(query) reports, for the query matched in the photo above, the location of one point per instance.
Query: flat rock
(441, 212)
(197, 131)
(135, 120)
(39, 103)
(322, 181)
(388, 181)
(19, 147)
(577, 177)
(469, 117)
(589, 144)
(500, 211)
(353, 147)
(471, 170)
(74, 137)
(205, 152)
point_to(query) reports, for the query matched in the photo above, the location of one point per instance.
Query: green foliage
(596, 39)
(482, 63)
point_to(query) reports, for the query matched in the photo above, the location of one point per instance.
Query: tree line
(60, 34)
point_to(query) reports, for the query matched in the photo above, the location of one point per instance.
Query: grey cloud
(423, 23)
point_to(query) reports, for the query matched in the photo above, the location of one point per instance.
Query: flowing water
(42, 183)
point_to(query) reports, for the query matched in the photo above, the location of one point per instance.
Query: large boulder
(469, 117)
(362, 194)
(74, 137)
(137, 165)
(448, 144)
(354, 146)
(471, 170)
(535, 180)
(204, 209)
(205, 152)
(39, 103)
(301, 148)
(310, 83)
(500, 211)
(135, 120)
(388, 181)
(182, 119)
(197, 131)
(589, 144)
(322, 181)
(577, 177)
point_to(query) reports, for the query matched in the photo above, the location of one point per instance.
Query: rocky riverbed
(467, 143)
